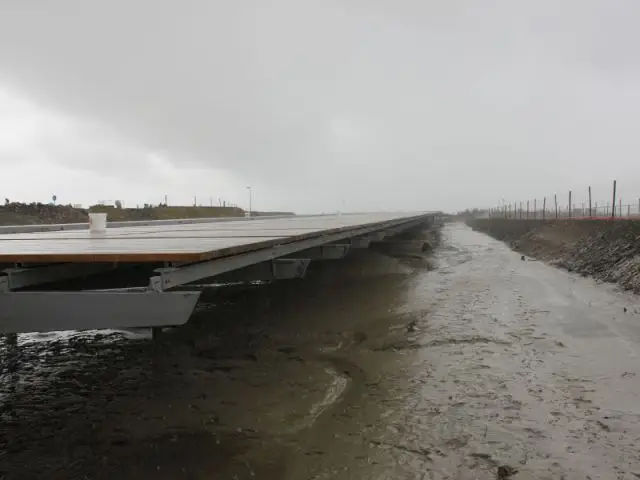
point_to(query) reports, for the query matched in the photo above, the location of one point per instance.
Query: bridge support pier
(401, 247)
(333, 251)
(11, 339)
(361, 242)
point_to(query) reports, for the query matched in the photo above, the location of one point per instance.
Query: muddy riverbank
(606, 250)
(469, 365)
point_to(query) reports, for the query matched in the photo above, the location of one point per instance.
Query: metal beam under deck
(169, 278)
(279, 269)
(52, 311)
(19, 278)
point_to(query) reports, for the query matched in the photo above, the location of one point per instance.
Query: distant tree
(118, 204)
(6, 201)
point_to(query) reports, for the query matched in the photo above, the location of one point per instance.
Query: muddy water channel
(470, 364)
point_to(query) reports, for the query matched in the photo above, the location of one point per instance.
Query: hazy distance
(320, 106)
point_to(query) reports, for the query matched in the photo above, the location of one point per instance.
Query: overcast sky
(319, 105)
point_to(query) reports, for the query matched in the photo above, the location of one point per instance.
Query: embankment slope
(608, 250)
(38, 213)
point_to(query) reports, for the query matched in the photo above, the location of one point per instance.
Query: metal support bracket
(400, 247)
(361, 242)
(279, 269)
(334, 251)
(18, 278)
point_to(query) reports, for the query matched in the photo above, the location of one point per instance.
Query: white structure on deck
(141, 274)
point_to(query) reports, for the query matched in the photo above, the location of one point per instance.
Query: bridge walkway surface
(150, 274)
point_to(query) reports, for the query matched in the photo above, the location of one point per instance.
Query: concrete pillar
(11, 340)
(401, 247)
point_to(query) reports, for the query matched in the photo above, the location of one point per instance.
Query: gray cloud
(406, 104)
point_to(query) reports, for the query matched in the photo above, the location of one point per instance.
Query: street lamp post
(250, 201)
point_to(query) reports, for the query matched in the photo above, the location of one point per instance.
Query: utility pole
(570, 212)
(555, 198)
(544, 208)
(613, 206)
(590, 212)
(250, 200)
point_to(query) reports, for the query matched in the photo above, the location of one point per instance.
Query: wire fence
(551, 207)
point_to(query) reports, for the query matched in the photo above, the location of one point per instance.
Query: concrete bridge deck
(135, 275)
(190, 242)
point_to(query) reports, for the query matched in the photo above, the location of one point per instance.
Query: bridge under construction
(151, 274)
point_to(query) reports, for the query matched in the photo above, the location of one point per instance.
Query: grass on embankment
(39, 213)
(165, 213)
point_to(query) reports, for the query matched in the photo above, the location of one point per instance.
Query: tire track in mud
(347, 379)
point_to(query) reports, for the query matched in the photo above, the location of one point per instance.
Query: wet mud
(468, 363)
(607, 250)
